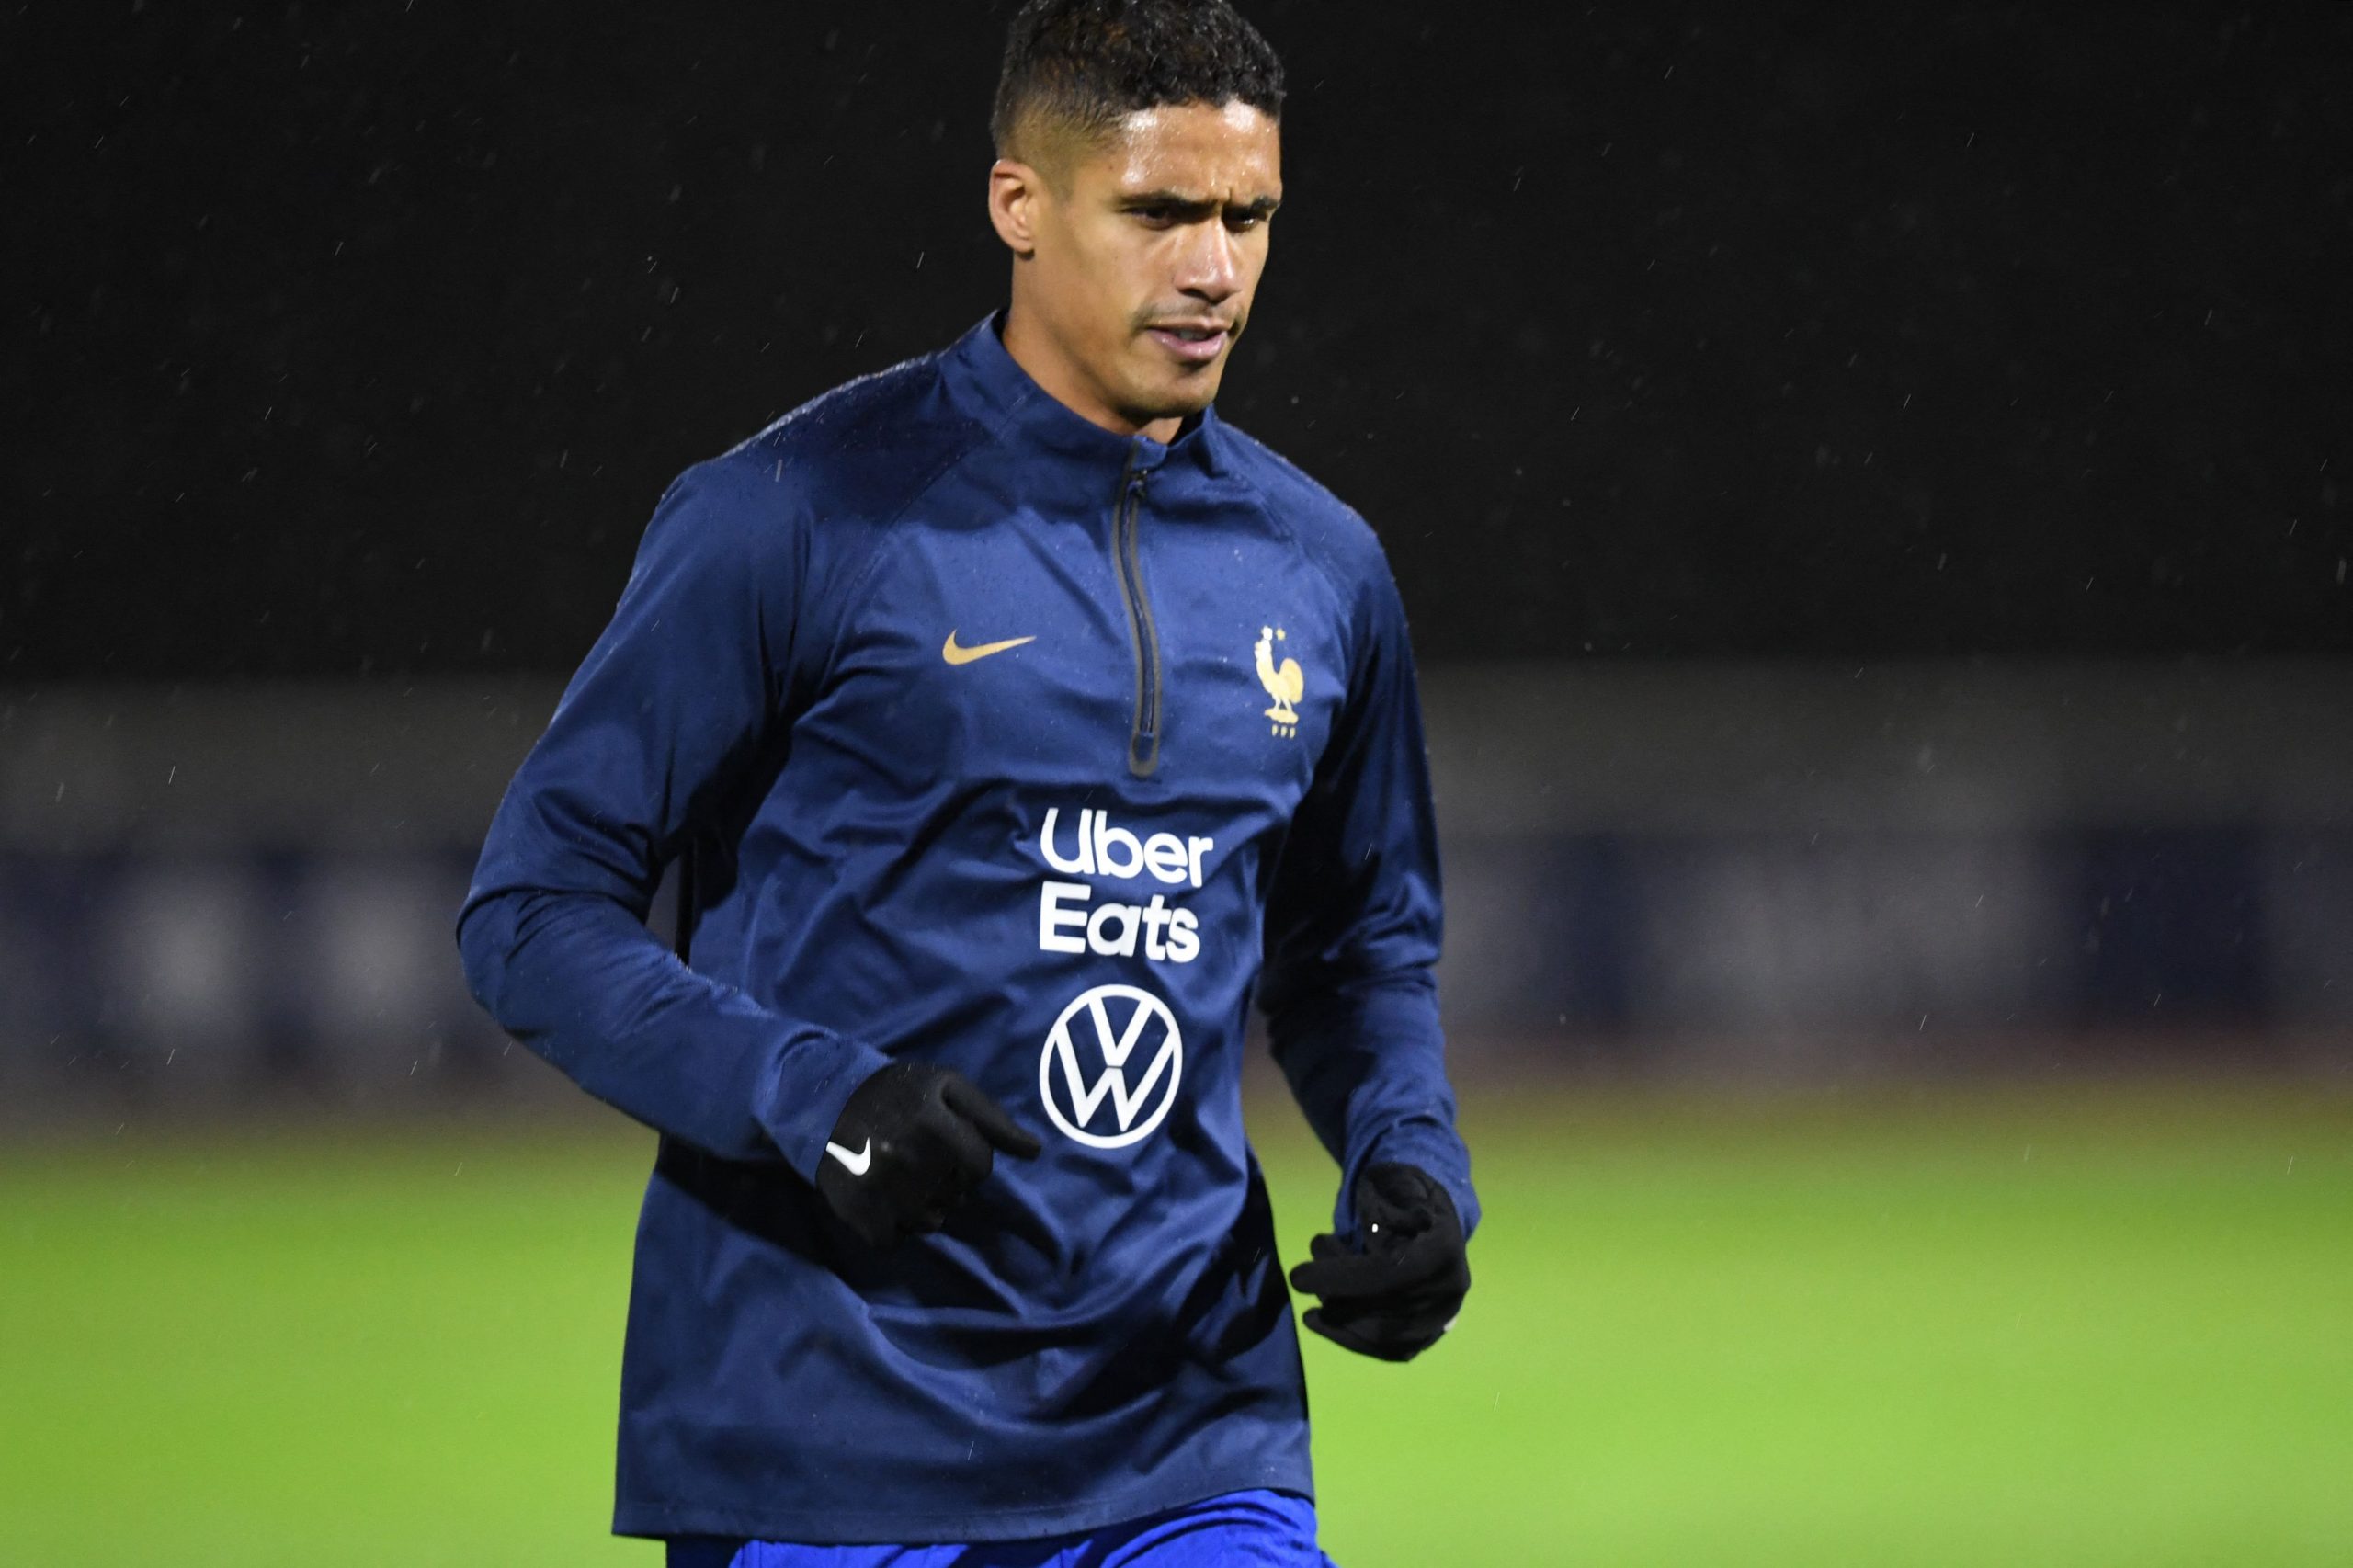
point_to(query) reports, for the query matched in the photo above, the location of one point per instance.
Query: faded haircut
(1078, 67)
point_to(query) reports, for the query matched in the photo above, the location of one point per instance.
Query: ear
(1015, 189)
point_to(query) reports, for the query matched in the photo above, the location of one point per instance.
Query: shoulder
(1332, 533)
(845, 463)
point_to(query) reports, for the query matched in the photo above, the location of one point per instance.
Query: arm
(682, 691)
(1352, 931)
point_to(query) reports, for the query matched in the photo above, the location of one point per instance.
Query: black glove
(911, 1143)
(1395, 1297)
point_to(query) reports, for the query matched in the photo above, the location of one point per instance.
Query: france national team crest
(1284, 682)
(1114, 1049)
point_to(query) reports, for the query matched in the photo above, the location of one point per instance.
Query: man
(1012, 718)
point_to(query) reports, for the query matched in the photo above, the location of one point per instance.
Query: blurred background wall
(1862, 482)
(1768, 871)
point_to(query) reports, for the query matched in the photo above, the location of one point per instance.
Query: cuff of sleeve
(1427, 1146)
(809, 1081)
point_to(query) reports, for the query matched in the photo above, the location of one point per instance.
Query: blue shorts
(1238, 1529)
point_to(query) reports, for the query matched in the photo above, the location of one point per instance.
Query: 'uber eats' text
(1072, 920)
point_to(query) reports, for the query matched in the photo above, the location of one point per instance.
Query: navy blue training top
(997, 740)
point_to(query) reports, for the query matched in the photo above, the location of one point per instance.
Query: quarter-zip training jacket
(988, 738)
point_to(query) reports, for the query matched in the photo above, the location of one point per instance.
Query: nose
(1210, 269)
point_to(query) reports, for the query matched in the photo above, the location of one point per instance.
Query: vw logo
(1114, 1044)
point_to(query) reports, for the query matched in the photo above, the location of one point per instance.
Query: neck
(1038, 354)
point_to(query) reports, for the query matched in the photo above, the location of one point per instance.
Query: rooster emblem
(1284, 682)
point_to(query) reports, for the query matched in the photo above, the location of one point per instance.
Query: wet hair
(1080, 66)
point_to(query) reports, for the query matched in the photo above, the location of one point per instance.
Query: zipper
(1127, 529)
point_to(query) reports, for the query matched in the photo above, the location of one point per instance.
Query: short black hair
(1087, 64)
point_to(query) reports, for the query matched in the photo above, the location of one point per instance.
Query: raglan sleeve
(683, 689)
(1354, 920)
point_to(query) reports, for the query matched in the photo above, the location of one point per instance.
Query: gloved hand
(1395, 1296)
(909, 1145)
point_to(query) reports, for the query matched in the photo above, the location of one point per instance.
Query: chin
(1188, 396)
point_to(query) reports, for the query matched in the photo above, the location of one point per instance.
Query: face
(1137, 259)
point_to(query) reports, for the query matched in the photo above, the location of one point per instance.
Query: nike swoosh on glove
(1394, 1295)
(909, 1147)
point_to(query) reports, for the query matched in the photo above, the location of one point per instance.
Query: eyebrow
(1199, 205)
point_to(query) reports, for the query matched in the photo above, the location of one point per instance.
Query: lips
(1195, 343)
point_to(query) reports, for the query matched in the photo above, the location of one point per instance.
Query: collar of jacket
(987, 380)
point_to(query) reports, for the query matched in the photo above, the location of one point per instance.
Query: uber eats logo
(1072, 920)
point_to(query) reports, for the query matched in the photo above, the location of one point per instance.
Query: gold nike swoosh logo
(955, 655)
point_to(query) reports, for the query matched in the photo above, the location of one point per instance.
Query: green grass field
(2090, 1325)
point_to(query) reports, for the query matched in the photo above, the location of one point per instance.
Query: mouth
(1195, 342)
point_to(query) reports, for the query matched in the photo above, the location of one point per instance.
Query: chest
(1162, 657)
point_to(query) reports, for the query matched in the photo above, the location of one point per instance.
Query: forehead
(1226, 153)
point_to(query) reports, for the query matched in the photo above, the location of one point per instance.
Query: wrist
(1428, 1146)
(811, 1076)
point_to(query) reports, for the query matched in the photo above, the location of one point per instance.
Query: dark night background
(360, 339)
